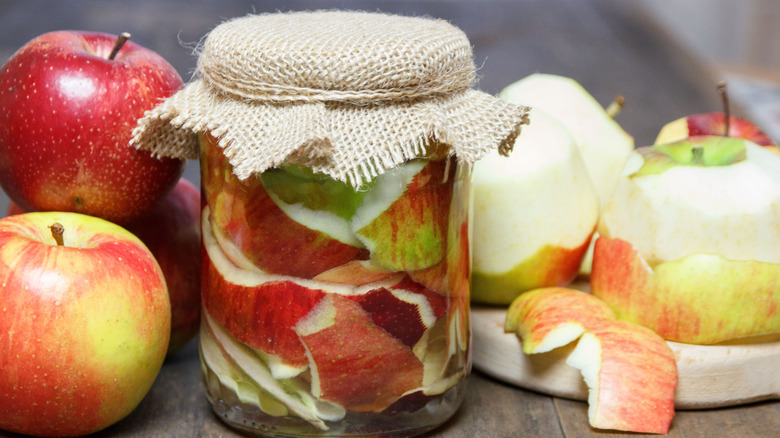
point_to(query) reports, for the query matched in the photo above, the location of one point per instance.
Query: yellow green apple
(534, 214)
(85, 322)
(689, 240)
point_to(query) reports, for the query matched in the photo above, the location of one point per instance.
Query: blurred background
(735, 40)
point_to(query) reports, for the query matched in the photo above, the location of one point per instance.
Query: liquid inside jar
(334, 311)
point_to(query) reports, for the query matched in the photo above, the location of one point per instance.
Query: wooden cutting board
(709, 376)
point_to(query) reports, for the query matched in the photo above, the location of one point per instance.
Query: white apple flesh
(604, 145)
(534, 214)
(689, 241)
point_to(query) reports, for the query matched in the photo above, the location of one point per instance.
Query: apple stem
(616, 106)
(724, 96)
(120, 41)
(57, 230)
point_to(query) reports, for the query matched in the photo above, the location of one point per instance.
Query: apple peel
(631, 375)
(630, 371)
(297, 400)
(549, 318)
(669, 298)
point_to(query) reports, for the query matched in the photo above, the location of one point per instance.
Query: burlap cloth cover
(349, 94)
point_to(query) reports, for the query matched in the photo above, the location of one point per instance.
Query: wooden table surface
(610, 47)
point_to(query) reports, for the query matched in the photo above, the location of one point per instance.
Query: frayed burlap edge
(348, 142)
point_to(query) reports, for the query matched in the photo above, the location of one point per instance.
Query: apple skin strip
(630, 371)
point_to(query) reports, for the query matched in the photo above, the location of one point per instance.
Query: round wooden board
(709, 376)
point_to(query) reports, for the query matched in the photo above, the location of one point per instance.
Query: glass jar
(330, 310)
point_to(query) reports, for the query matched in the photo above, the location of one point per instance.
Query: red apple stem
(724, 97)
(57, 230)
(120, 41)
(616, 106)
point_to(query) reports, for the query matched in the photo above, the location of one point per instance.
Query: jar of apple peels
(335, 152)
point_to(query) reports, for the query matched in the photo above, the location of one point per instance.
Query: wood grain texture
(727, 374)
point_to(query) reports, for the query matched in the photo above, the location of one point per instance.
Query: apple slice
(549, 318)
(245, 213)
(631, 375)
(403, 218)
(353, 362)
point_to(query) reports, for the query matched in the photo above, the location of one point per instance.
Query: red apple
(171, 231)
(66, 116)
(84, 323)
(713, 123)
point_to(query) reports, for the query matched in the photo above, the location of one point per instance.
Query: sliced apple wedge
(631, 375)
(552, 317)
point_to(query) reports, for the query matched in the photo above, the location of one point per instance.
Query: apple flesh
(690, 241)
(88, 104)
(87, 322)
(534, 214)
(603, 144)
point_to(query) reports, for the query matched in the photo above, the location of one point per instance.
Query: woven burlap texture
(350, 94)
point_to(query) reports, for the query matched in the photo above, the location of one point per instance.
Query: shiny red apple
(171, 231)
(67, 111)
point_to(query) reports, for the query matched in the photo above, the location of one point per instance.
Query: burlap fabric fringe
(350, 94)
